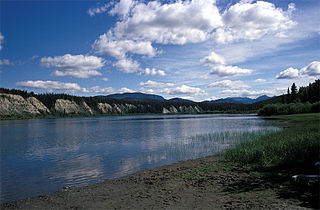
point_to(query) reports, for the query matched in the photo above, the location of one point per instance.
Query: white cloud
(1, 40)
(126, 90)
(5, 62)
(76, 73)
(245, 92)
(313, 69)
(127, 65)
(219, 67)
(122, 8)
(99, 9)
(79, 66)
(260, 80)
(152, 72)
(229, 84)
(106, 44)
(289, 73)
(213, 59)
(185, 90)
(50, 85)
(250, 21)
(171, 89)
(213, 98)
(225, 71)
(98, 90)
(178, 22)
(154, 84)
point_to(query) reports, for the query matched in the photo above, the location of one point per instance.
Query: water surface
(44, 155)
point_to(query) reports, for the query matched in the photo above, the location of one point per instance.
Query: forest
(304, 100)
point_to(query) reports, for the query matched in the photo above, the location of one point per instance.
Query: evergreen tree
(293, 93)
(288, 96)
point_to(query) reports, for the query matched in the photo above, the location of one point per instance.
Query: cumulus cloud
(53, 86)
(213, 59)
(122, 8)
(50, 85)
(152, 72)
(250, 21)
(98, 9)
(127, 65)
(313, 69)
(185, 90)
(79, 66)
(106, 44)
(154, 84)
(225, 71)
(1, 40)
(219, 67)
(229, 84)
(171, 89)
(177, 22)
(126, 90)
(289, 73)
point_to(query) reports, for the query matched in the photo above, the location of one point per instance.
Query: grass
(211, 143)
(297, 145)
(269, 161)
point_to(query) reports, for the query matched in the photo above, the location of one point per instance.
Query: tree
(288, 96)
(293, 92)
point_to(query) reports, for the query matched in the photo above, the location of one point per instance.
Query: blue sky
(195, 49)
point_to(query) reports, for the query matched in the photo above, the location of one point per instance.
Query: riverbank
(212, 183)
(201, 183)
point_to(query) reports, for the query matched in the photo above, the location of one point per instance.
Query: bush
(292, 108)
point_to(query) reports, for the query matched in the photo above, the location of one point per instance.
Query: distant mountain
(240, 100)
(135, 96)
(180, 100)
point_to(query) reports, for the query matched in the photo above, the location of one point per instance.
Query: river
(44, 155)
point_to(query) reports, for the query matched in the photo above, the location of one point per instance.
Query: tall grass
(211, 143)
(298, 145)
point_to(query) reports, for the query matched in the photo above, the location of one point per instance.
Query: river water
(44, 155)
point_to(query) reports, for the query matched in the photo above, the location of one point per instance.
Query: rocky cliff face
(106, 108)
(182, 109)
(71, 107)
(16, 105)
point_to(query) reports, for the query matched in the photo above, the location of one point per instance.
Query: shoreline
(207, 182)
(37, 117)
(212, 182)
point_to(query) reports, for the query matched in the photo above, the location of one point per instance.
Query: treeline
(306, 100)
(49, 99)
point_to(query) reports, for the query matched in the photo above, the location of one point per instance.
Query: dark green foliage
(304, 101)
(293, 94)
(296, 146)
(292, 108)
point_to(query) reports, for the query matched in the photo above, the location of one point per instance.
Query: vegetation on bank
(140, 107)
(306, 100)
(297, 146)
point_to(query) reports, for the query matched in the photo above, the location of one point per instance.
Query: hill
(240, 100)
(135, 96)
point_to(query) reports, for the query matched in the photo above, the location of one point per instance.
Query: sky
(192, 49)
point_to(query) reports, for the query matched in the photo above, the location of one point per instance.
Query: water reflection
(42, 156)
